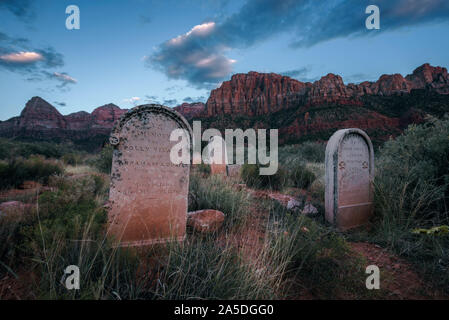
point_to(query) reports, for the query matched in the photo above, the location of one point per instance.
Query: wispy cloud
(187, 57)
(194, 99)
(357, 78)
(60, 104)
(145, 19)
(132, 100)
(20, 56)
(170, 102)
(63, 78)
(296, 72)
(200, 55)
(20, 8)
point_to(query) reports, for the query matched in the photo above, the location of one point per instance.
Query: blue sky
(136, 51)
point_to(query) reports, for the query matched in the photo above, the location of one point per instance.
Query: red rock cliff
(253, 94)
(263, 93)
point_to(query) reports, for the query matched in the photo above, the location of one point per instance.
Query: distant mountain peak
(37, 104)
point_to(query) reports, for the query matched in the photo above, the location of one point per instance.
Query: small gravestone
(148, 193)
(349, 178)
(217, 155)
(234, 170)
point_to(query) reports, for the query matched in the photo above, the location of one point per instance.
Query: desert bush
(10, 149)
(103, 161)
(204, 169)
(69, 229)
(305, 152)
(202, 269)
(9, 237)
(316, 257)
(301, 176)
(72, 159)
(411, 191)
(317, 189)
(215, 193)
(36, 168)
(58, 218)
(412, 177)
(251, 176)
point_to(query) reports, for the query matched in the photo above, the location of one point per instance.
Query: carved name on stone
(148, 192)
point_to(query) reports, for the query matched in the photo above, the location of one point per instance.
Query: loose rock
(205, 221)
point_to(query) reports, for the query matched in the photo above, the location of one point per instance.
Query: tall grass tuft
(36, 168)
(250, 174)
(216, 193)
(315, 258)
(411, 191)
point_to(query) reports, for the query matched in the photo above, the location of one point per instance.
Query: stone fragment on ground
(289, 202)
(26, 185)
(294, 204)
(205, 221)
(309, 209)
(11, 208)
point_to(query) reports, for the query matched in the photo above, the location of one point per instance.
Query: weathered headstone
(148, 193)
(218, 158)
(234, 170)
(349, 176)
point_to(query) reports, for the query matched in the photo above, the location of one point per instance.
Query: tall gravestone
(349, 176)
(218, 158)
(148, 192)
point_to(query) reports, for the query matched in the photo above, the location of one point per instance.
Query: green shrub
(315, 256)
(215, 193)
(305, 152)
(36, 168)
(251, 176)
(9, 237)
(301, 176)
(103, 162)
(69, 229)
(411, 191)
(412, 179)
(204, 169)
(202, 269)
(72, 159)
(10, 149)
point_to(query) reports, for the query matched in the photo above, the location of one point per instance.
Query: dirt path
(397, 277)
(399, 280)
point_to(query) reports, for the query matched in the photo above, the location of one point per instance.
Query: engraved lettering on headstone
(148, 193)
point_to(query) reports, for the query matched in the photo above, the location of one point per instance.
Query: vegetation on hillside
(263, 251)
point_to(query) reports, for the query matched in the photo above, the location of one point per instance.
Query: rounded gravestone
(148, 192)
(217, 155)
(349, 178)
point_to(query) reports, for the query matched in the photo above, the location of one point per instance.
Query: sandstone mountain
(191, 110)
(263, 93)
(40, 120)
(303, 111)
(300, 110)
